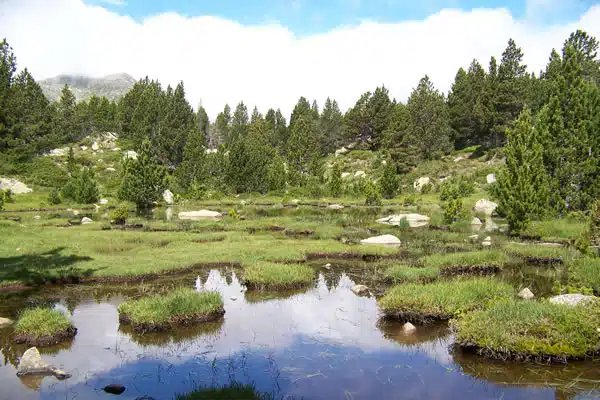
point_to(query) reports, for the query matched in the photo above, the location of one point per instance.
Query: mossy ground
(442, 300)
(181, 307)
(531, 331)
(43, 327)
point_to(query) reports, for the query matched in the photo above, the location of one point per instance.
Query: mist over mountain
(112, 86)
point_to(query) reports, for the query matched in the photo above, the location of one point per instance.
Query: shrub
(389, 181)
(454, 211)
(82, 187)
(43, 171)
(54, 197)
(196, 191)
(372, 195)
(409, 200)
(456, 187)
(426, 188)
(335, 181)
(119, 215)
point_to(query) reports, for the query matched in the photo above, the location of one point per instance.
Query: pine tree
(302, 151)
(193, 166)
(256, 116)
(66, 116)
(521, 188)
(144, 179)
(331, 127)
(388, 183)
(276, 174)
(368, 119)
(71, 163)
(278, 126)
(8, 67)
(223, 124)
(335, 183)
(239, 123)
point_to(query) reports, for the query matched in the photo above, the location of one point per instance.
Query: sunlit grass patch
(442, 300)
(43, 327)
(536, 254)
(558, 230)
(271, 276)
(585, 273)
(528, 330)
(180, 307)
(474, 262)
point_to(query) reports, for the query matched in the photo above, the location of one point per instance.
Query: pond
(320, 343)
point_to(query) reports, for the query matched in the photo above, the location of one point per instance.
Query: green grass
(540, 254)
(442, 300)
(37, 323)
(585, 273)
(406, 273)
(482, 261)
(180, 307)
(529, 330)
(278, 276)
(230, 392)
(556, 230)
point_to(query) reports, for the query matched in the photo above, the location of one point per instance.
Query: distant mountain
(111, 86)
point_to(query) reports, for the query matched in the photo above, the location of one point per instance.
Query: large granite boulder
(199, 215)
(31, 364)
(383, 239)
(485, 207)
(414, 220)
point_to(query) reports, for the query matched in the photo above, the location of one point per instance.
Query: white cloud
(222, 61)
(119, 3)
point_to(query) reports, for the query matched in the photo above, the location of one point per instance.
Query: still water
(321, 343)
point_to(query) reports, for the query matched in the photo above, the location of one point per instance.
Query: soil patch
(46, 341)
(173, 322)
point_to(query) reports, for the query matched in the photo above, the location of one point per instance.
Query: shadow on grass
(51, 266)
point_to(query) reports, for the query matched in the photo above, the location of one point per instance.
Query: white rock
(476, 221)
(409, 328)
(359, 174)
(327, 266)
(295, 201)
(4, 322)
(352, 145)
(83, 148)
(31, 364)
(15, 186)
(459, 158)
(168, 197)
(60, 152)
(211, 151)
(384, 162)
(491, 178)
(37, 217)
(485, 207)
(346, 175)
(414, 220)
(550, 244)
(486, 243)
(198, 215)
(75, 212)
(116, 149)
(526, 294)
(130, 154)
(360, 290)
(383, 239)
(110, 169)
(573, 299)
(100, 160)
(341, 151)
(473, 237)
(95, 146)
(335, 207)
(103, 202)
(419, 183)
(86, 220)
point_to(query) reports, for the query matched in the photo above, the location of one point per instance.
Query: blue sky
(313, 16)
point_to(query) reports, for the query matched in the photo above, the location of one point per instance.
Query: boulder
(103, 202)
(327, 266)
(95, 146)
(487, 242)
(335, 207)
(490, 226)
(83, 148)
(414, 220)
(485, 207)
(359, 174)
(168, 197)
(383, 239)
(526, 294)
(75, 212)
(114, 388)
(58, 152)
(346, 175)
(37, 217)
(116, 149)
(573, 299)
(419, 183)
(459, 158)
(473, 237)
(31, 364)
(110, 169)
(130, 154)
(342, 151)
(86, 220)
(14, 185)
(491, 178)
(198, 215)
(409, 328)
(360, 290)
(476, 221)
(295, 201)
(4, 322)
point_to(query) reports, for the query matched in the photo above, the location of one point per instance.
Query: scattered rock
(83, 148)
(58, 152)
(490, 226)
(295, 201)
(4, 322)
(550, 244)
(342, 151)
(345, 175)
(103, 201)
(130, 154)
(335, 207)
(573, 299)
(18, 249)
(37, 217)
(95, 146)
(116, 149)
(409, 328)
(488, 239)
(168, 197)
(476, 221)
(485, 207)
(491, 178)
(383, 239)
(86, 220)
(198, 215)
(473, 237)
(526, 294)
(414, 220)
(114, 388)
(14, 185)
(419, 183)
(327, 266)
(459, 158)
(75, 212)
(211, 151)
(110, 169)
(487, 242)
(384, 162)
(360, 290)
(31, 364)
(359, 174)
(233, 298)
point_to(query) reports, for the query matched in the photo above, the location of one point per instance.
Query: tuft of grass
(182, 306)
(479, 262)
(558, 230)
(528, 330)
(406, 273)
(442, 300)
(537, 254)
(43, 327)
(234, 391)
(585, 273)
(265, 276)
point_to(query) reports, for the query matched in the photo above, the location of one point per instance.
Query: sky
(268, 53)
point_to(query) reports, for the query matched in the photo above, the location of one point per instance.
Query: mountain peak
(111, 86)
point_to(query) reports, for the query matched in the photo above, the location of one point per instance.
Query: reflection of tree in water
(392, 330)
(232, 391)
(175, 336)
(568, 381)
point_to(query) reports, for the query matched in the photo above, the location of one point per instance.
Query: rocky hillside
(111, 86)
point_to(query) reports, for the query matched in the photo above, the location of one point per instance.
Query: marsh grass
(407, 273)
(43, 327)
(585, 273)
(536, 254)
(181, 307)
(556, 230)
(234, 391)
(463, 263)
(271, 276)
(442, 300)
(531, 331)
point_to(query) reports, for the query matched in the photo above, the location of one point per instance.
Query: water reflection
(322, 342)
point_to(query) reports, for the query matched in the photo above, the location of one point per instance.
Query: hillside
(111, 86)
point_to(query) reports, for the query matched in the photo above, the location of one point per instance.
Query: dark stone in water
(114, 388)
